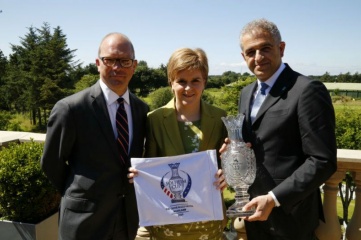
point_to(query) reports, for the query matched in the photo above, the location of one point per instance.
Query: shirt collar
(110, 96)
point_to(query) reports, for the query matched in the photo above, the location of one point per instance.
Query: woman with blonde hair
(186, 124)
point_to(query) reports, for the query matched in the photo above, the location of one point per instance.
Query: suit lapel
(207, 127)
(136, 117)
(279, 88)
(249, 99)
(100, 111)
(170, 124)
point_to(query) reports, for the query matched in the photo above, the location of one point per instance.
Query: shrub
(160, 97)
(230, 95)
(26, 195)
(5, 118)
(348, 126)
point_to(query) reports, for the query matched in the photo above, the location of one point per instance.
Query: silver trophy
(239, 166)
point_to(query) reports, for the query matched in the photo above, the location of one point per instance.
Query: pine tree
(38, 73)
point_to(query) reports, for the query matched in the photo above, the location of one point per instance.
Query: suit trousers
(120, 226)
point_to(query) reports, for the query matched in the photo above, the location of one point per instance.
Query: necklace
(187, 123)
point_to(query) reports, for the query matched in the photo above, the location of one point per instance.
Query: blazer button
(120, 195)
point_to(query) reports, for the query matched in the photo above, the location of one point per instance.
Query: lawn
(342, 103)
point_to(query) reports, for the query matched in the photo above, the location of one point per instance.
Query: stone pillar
(142, 234)
(331, 229)
(240, 229)
(353, 230)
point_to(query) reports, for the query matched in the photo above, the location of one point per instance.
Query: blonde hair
(187, 59)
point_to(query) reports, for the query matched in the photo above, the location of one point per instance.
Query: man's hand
(263, 204)
(132, 173)
(226, 142)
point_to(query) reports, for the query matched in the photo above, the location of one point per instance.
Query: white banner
(177, 189)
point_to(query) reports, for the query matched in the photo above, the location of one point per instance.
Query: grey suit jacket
(293, 136)
(80, 158)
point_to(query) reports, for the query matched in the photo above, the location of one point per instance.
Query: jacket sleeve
(59, 140)
(316, 120)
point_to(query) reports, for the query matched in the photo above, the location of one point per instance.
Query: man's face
(262, 54)
(116, 77)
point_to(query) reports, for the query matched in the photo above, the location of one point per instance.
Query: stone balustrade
(347, 161)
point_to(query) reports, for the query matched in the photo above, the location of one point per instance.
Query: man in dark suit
(293, 137)
(81, 157)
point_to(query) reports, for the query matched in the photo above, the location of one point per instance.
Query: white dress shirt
(112, 104)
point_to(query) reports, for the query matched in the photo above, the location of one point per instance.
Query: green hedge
(348, 129)
(26, 195)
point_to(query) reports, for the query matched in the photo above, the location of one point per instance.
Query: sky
(321, 35)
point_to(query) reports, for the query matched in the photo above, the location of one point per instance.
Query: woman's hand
(220, 182)
(132, 173)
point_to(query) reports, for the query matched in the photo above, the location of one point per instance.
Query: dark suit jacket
(293, 137)
(80, 158)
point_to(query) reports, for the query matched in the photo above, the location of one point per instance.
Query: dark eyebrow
(259, 47)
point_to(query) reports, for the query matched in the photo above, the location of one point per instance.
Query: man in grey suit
(81, 157)
(293, 137)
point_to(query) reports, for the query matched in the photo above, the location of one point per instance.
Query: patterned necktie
(261, 95)
(122, 130)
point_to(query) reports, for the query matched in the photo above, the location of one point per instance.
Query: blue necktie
(122, 130)
(261, 95)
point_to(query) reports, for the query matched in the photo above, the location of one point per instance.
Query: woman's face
(188, 86)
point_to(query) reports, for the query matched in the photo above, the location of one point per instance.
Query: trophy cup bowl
(239, 166)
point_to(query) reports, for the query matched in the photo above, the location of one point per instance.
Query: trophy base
(235, 210)
(234, 213)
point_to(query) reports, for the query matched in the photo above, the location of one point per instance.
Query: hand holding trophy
(239, 166)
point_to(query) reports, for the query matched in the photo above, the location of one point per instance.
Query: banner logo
(177, 184)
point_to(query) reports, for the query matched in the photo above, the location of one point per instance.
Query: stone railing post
(330, 229)
(353, 230)
(240, 228)
(350, 160)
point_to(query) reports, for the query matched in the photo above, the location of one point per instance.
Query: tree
(230, 96)
(226, 78)
(326, 78)
(78, 72)
(344, 78)
(3, 66)
(86, 81)
(160, 97)
(230, 77)
(39, 71)
(3, 63)
(356, 78)
(146, 80)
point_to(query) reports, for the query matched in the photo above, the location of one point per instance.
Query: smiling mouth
(187, 96)
(260, 65)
